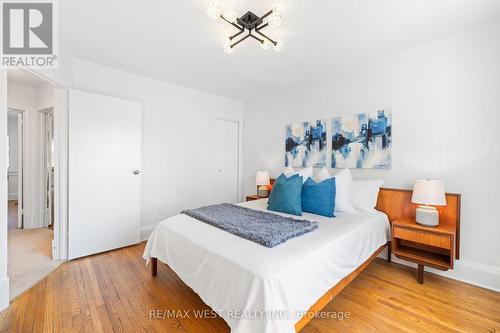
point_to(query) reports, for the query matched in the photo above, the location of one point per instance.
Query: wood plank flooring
(114, 292)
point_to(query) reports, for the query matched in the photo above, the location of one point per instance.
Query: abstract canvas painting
(362, 141)
(305, 144)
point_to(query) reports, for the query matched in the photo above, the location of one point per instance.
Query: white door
(104, 189)
(225, 155)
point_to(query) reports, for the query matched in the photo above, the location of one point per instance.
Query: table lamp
(262, 181)
(428, 193)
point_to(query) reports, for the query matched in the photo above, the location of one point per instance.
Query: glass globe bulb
(279, 46)
(280, 6)
(230, 14)
(213, 10)
(266, 45)
(228, 49)
(274, 20)
(225, 41)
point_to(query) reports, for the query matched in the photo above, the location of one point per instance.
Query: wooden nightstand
(425, 246)
(254, 197)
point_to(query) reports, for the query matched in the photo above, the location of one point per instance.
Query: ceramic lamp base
(262, 191)
(427, 215)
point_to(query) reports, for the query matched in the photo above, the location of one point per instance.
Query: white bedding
(260, 289)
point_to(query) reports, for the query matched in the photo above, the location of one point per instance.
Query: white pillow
(343, 184)
(289, 171)
(305, 172)
(323, 174)
(364, 194)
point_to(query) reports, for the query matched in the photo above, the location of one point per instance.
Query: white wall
(4, 280)
(445, 98)
(175, 137)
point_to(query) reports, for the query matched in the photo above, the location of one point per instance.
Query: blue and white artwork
(362, 141)
(305, 144)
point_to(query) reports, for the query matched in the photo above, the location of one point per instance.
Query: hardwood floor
(114, 292)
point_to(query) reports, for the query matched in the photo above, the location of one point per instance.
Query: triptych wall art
(361, 141)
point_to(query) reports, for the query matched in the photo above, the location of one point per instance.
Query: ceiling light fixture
(250, 23)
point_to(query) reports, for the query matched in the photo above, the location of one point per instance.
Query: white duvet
(260, 289)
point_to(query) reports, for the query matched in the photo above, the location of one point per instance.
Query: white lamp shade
(429, 192)
(262, 178)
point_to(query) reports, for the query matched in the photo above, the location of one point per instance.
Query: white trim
(60, 243)
(46, 213)
(4, 293)
(481, 275)
(4, 279)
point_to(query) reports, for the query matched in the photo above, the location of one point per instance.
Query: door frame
(20, 165)
(238, 119)
(60, 113)
(46, 113)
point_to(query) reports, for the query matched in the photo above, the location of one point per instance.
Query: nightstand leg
(154, 267)
(420, 274)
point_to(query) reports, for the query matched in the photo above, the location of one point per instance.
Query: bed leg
(389, 251)
(154, 266)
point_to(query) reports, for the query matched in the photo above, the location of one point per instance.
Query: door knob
(136, 172)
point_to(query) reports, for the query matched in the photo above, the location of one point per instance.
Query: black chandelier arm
(236, 34)
(269, 39)
(257, 38)
(239, 41)
(266, 14)
(233, 24)
(261, 27)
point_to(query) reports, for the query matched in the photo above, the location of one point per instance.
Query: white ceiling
(175, 41)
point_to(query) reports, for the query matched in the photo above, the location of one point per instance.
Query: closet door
(225, 155)
(104, 191)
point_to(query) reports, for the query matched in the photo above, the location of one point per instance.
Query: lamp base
(262, 191)
(427, 215)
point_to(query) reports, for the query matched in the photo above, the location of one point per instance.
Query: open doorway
(31, 219)
(14, 168)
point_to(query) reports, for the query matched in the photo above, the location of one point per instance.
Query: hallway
(12, 215)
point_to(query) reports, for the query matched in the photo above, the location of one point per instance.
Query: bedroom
(193, 126)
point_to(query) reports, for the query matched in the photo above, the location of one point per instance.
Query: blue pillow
(319, 198)
(286, 195)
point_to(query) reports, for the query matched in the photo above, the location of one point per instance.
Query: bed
(293, 281)
(259, 289)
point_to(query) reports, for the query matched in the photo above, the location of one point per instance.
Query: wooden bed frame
(396, 203)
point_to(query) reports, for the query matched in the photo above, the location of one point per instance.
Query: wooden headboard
(396, 203)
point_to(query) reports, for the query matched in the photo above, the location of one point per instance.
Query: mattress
(259, 289)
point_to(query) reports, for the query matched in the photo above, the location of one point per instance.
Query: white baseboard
(12, 196)
(146, 231)
(4, 293)
(481, 275)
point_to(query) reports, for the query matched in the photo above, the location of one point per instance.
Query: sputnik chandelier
(249, 22)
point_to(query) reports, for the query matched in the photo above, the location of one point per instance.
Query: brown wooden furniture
(396, 203)
(398, 206)
(254, 197)
(425, 246)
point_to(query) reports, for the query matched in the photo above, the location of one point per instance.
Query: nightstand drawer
(423, 237)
